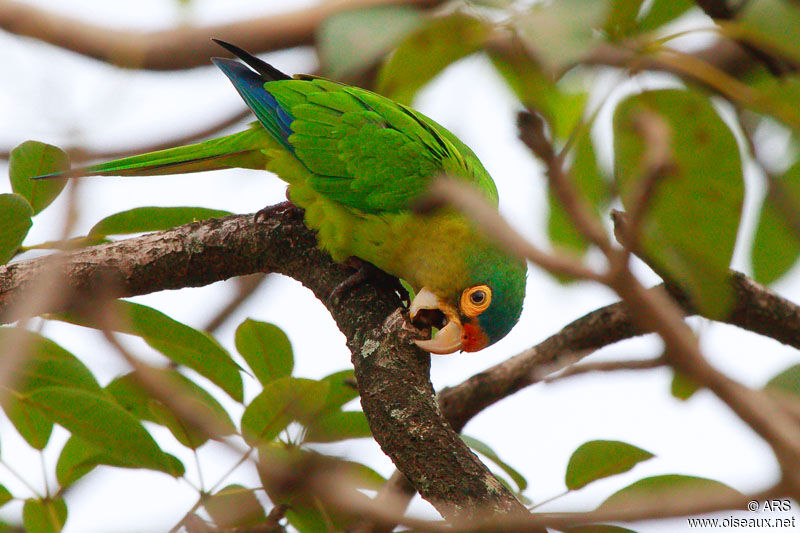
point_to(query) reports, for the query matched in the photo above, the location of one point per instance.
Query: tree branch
(392, 373)
(178, 48)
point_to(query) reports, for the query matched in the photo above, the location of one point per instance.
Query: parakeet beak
(449, 338)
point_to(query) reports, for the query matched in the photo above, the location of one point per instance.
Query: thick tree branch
(392, 373)
(176, 48)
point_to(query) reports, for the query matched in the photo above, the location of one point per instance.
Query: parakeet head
(484, 308)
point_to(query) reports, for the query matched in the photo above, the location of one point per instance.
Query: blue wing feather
(250, 87)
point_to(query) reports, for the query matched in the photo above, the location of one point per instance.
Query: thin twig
(468, 200)
(607, 366)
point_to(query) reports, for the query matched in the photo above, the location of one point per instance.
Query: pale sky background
(53, 96)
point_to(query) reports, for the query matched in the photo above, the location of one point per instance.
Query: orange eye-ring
(475, 300)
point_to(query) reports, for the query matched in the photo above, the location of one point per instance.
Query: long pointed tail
(240, 150)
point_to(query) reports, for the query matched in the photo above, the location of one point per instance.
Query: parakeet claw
(449, 338)
(365, 271)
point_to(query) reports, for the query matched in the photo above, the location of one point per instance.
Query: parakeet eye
(475, 300)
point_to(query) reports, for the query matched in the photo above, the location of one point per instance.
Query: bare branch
(532, 134)
(392, 373)
(176, 48)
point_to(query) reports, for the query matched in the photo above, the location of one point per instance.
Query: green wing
(366, 151)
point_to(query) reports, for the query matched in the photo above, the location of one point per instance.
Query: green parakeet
(354, 161)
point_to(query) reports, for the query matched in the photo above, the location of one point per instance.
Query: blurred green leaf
(660, 12)
(78, 457)
(5, 496)
(235, 506)
(771, 25)
(352, 40)
(591, 184)
(692, 215)
(493, 4)
(46, 364)
(144, 219)
(184, 345)
(776, 245)
(33, 158)
(341, 389)
(337, 425)
(654, 489)
(15, 221)
(778, 98)
(44, 516)
(560, 32)
(306, 511)
(427, 51)
(682, 386)
(621, 20)
(281, 402)
(598, 459)
(484, 449)
(786, 381)
(266, 348)
(136, 399)
(100, 421)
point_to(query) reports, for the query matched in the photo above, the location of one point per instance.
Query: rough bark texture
(392, 373)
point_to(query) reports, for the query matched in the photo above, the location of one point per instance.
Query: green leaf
(692, 216)
(354, 39)
(776, 245)
(662, 12)
(779, 98)
(184, 345)
(100, 421)
(427, 51)
(621, 21)
(537, 90)
(46, 364)
(44, 516)
(144, 219)
(138, 401)
(341, 389)
(5, 496)
(306, 511)
(682, 386)
(79, 457)
(560, 32)
(281, 402)
(266, 348)
(598, 459)
(654, 489)
(786, 381)
(591, 184)
(771, 25)
(33, 158)
(493, 4)
(484, 449)
(235, 506)
(15, 221)
(338, 425)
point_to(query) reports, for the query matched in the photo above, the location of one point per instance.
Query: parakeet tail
(240, 150)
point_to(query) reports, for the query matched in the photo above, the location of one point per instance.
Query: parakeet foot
(365, 271)
(277, 209)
